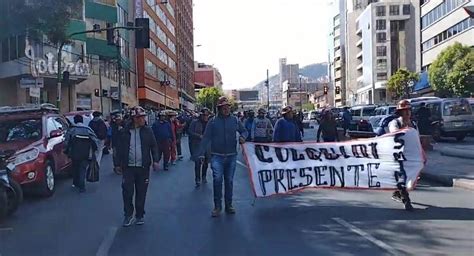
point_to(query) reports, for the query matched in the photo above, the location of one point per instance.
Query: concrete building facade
(443, 22)
(207, 75)
(337, 51)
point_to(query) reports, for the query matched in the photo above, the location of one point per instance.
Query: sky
(244, 38)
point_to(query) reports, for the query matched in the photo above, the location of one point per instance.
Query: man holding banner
(221, 134)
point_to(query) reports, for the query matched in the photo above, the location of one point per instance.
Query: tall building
(185, 50)
(337, 51)
(387, 39)
(443, 22)
(28, 67)
(156, 66)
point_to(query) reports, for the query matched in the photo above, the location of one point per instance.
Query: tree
(451, 73)
(308, 106)
(398, 83)
(208, 97)
(234, 106)
(50, 18)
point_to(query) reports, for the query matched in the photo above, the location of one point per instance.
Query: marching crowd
(137, 146)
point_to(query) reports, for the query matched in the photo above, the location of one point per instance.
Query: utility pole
(267, 84)
(119, 70)
(301, 91)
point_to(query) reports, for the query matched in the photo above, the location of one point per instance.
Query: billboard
(248, 96)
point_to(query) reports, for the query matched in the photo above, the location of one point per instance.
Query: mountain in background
(314, 71)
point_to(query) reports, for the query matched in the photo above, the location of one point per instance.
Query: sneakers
(230, 209)
(180, 158)
(128, 221)
(140, 221)
(216, 212)
(204, 180)
(166, 168)
(397, 196)
(198, 184)
(408, 206)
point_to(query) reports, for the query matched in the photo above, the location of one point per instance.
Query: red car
(33, 137)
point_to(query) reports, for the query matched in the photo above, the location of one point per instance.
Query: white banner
(383, 162)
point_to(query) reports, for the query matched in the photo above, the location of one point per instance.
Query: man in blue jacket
(286, 129)
(221, 134)
(164, 136)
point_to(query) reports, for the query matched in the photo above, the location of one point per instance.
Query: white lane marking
(367, 236)
(6, 229)
(107, 242)
(241, 164)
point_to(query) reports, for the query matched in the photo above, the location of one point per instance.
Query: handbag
(92, 174)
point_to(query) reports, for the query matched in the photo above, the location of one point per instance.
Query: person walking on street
(137, 149)
(221, 135)
(196, 133)
(80, 143)
(346, 119)
(328, 128)
(403, 121)
(164, 136)
(286, 129)
(175, 127)
(423, 116)
(97, 124)
(262, 128)
(116, 126)
(249, 123)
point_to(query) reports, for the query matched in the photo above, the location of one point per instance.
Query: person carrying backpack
(97, 124)
(80, 141)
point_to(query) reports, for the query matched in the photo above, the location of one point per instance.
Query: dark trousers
(261, 139)
(135, 181)
(79, 173)
(200, 169)
(329, 139)
(164, 151)
(178, 146)
(191, 148)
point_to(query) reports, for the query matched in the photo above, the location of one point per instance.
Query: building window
(381, 63)
(406, 9)
(381, 24)
(381, 76)
(381, 51)
(450, 32)
(394, 10)
(381, 37)
(380, 11)
(108, 2)
(440, 11)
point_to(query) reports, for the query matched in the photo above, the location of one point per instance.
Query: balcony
(359, 43)
(359, 31)
(337, 53)
(360, 54)
(337, 64)
(360, 66)
(338, 73)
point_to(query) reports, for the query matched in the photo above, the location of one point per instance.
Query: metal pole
(58, 98)
(268, 93)
(100, 88)
(301, 90)
(119, 71)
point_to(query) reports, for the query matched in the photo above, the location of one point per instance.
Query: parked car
(33, 139)
(451, 117)
(360, 117)
(380, 113)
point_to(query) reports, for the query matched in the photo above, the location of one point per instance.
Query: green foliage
(308, 106)
(451, 73)
(45, 17)
(234, 106)
(398, 82)
(208, 97)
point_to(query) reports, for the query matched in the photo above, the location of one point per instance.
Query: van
(451, 117)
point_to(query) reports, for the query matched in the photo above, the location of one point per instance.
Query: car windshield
(456, 107)
(18, 130)
(391, 110)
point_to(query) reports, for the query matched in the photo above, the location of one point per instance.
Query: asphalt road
(178, 222)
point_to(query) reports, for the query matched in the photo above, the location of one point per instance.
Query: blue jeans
(223, 168)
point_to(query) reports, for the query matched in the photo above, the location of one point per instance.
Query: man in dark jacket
(164, 137)
(221, 134)
(196, 132)
(97, 124)
(116, 125)
(286, 129)
(136, 149)
(423, 117)
(249, 123)
(80, 142)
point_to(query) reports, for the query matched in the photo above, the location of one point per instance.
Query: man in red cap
(221, 134)
(137, 149)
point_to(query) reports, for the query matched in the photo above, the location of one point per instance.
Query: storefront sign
(383, 162)
(138, 9)
(35, 92)
(32, 83)
(48, 65)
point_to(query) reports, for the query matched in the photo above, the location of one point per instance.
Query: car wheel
(437, 133)
(3, 204)
(48, 184)
(460, 137)
(15, 196)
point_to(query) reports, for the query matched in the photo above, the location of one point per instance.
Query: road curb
(459, 153)
(449, 181)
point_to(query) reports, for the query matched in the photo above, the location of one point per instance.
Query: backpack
(99, 128)
(80, 147)
(384, 124)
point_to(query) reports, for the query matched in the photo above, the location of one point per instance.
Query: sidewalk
(451, 171)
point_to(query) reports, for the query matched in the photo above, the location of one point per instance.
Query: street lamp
(165, 82)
